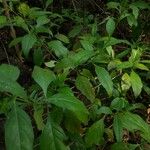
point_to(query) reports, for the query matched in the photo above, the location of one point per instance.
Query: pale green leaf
(62, 38)
(43, 77)
(136, 83)
(105, 79)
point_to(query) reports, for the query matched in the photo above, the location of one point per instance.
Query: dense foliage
(74, 75)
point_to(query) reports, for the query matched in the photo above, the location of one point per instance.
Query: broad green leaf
(135, 11)
(119, 146)
(104, 79)
(62, 38)
(24, 9)
(18, 130)
(9, 71)
(110, 26)
(119, 104)
(28, 42)
(136, 83)
(58, 48)
(104, 110)
(131, 20)
(86, 45)
(52, 137)
(94, 135)
(118, 129)
(43, 77)
(134, 122)
(141, 4)
(67, 101)
(11, 86)
(42, 20)
(83, 84)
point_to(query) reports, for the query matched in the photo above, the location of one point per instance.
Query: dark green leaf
(18, 130)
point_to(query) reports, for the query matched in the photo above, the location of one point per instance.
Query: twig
(5, 52)
(12, 30)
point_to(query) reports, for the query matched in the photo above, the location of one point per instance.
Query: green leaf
(62, 38)
(48, 2)
(119, 146)
(104, 79)
(38, 113)
(86, 88)
(134, 122)
(124, 65)
(118, 129)
(69, 102)
(42, 20)
(113, 5)
(38, 57)
(3, 21)
(126, 82)
(52, 137)
(28, 42)
(110, 26)
(135, 11)
(9, 71)
(58, 48)
(141, 66)
(86, 45)
(11, 86)
(43, 77)
(94, 135)
(104, 110)
(136, 83)
(75, 31)
(18, 130)
(119, 104)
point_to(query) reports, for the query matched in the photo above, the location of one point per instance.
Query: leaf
(48, 2)
(86, 45)
(110, 26)
(38, 112)
(38, 57)
(126, 82)
(69, 102)
(124, 65)
(141, 66)
(58, 48)
(28, 42)
(113, 5)
(52, 137)
(9, 71)
(3, 21)
(86, 88)
(62, 38)
(135, 11)
(18, 125)
(119, 146)
(42, 20)
(136, 83)
(11, 86)
(104, 79)
(134, 122)
(75, 31)
(118, 129)
(119, 104)
(94, 135)
(43, 77)
(104, 110)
